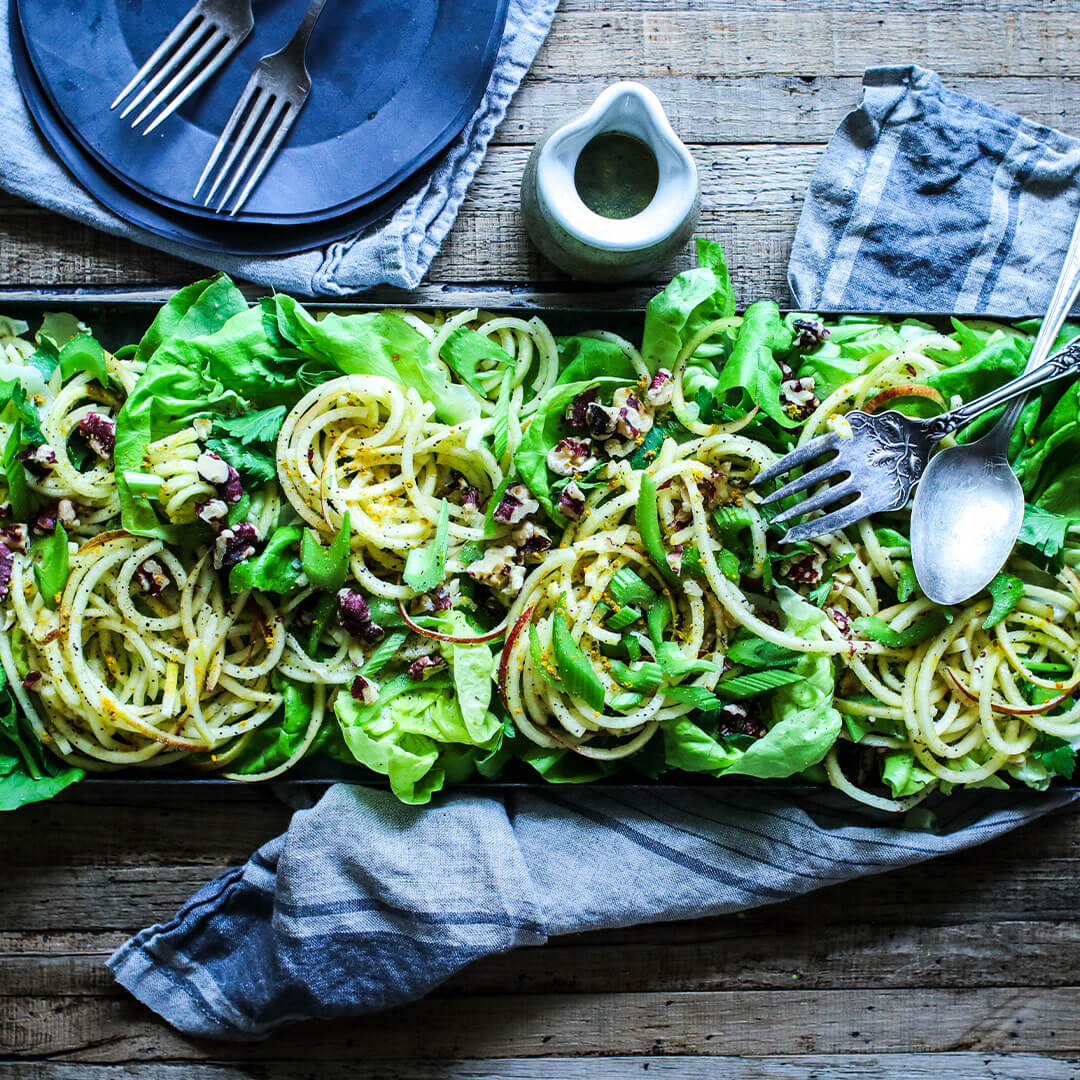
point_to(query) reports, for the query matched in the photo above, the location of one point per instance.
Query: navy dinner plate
(207, 235)
(392, 85)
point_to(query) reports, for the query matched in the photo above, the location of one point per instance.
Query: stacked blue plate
(392, 85)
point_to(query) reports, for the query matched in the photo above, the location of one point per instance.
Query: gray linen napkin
(396, 253)
(365, 903)
(928, 200)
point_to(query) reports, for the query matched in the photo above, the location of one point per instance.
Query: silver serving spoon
(969, 505)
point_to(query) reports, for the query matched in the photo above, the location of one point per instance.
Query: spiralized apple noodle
(184, 671)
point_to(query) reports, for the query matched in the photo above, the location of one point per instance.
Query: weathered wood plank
(957, 1066)
(766, 179)
(483, 248)
(808, 38)
(712, 106)
(755, 953)
(942, 9)
(1023, 1020)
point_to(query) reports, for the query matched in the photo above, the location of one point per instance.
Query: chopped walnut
(364, 690)
(532, 540)
(810, 334)
(577, 411)
(516, 505)
(355, 615)
(424, 667)
(804, 569)
(632, 418)
(234, 545)
(660, 390)
(212, 468)
(498, 570)
(571, 502)
(569, 457)
(152, 578)
(213, 512)
(100, 434)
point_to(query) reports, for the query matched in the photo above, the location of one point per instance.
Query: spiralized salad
(451, 545)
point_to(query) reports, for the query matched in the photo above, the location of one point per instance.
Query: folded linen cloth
(928, 200)
(365, 903)
(397, 252)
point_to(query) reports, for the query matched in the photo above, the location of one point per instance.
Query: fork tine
(226, 134)
(285, 124)
(225, 50)
(799, 456)
(816, 502)
(177, 32)
(834, 522)
(187, 75)
(272, 115)
(259, 104)
(181, 53)
(807, 480)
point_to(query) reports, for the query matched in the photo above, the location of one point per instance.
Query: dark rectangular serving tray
(119, 318)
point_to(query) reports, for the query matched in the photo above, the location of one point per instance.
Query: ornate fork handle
(1064, 362)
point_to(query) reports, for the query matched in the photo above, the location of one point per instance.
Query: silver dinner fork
(265, 113)
(195, 48)
(885, 454)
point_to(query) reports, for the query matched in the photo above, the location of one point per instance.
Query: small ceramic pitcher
(586, 244)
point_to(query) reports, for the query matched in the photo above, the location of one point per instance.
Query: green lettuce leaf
(688, 747)
(276, 568)
(414, 734)
(425, 567)
(693, 299)
(84, 354)
(51, 568)
(278, 739)
(464, 350)
(902, 775)
(547, 427)
(804, 722)
(375, 343)
(472, 668)
(28, 773)
(173, 390)
(1007, 591)
(751, 369)
(584, 359)
(564, 766)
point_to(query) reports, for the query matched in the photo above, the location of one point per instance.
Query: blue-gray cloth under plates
(397, 252)
(928, 200)
(366, 903)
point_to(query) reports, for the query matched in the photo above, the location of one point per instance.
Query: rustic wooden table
(964, 969)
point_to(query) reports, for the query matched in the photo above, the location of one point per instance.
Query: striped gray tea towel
(928, 200)
(397, 251)
(365, 903)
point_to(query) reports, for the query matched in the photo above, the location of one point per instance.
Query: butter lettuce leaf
(375, 343)
(804, 722)
(28, 773)
(693, 299)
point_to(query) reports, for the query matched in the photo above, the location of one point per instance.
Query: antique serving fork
(885, 454)
(195, 48)
(264, 115)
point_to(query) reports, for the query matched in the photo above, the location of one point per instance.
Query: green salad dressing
(616, 175)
